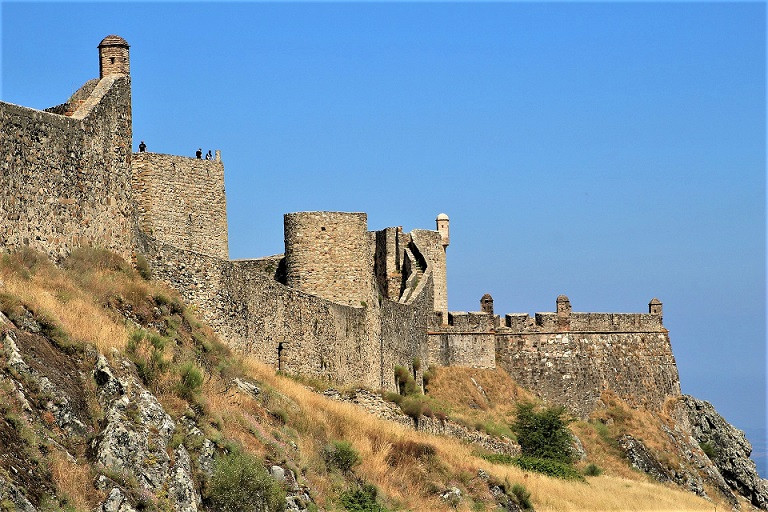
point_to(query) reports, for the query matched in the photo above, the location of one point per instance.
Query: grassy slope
(288, 423)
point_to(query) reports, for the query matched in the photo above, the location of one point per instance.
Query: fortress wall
(573, 368)
(65, 181)
(283, 327)
(468, 340)
(602, 322)
(404, 335)
(328, 254)
(430, 244)
(182, 201)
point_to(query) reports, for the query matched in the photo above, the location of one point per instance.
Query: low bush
(412, 407)
(593, 470)
(142, 267)
(341, 455)
(547, 467)
(522, 496)
(190, 381)
(361, 498)
(239, 479)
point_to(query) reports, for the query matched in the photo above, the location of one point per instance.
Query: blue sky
(613, 152)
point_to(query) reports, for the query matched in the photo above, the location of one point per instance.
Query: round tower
(443, 228)
(113, 56)
(328, 254)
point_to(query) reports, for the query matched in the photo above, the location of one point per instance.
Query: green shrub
(543, 434)
(708, 449)
(142, 267)
(593, 470)
(390, 396)
(548, 467)
(522, 496)
(341, 455)
(239, 479)
(412, 407)
(190, 380)
(361, 498)
(545, 466)
(416, 364)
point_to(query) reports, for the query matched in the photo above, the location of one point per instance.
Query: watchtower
(443, 228)
(563, 309)
(113, 56)
(486, 304)
(654, 307)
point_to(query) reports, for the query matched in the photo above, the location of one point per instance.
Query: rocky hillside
(115, 398)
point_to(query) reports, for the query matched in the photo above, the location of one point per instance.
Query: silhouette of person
(142, 147)
(199, 153)
(208, 155)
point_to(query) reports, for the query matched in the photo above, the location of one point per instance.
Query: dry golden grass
(53, 294)
(74, 481)
(412, 485)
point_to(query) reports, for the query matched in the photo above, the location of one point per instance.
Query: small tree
(543, 434)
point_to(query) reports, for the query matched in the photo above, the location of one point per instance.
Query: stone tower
(113, 57)
(443, 228)
(563, 308)
(328, 254)
(486, 303)
(654, 307)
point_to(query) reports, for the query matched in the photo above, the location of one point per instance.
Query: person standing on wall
(142, 147)
(199, 153)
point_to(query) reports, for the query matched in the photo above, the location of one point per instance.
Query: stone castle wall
(328, 254)
(574, 368)
(182, 202)
(468, 339)
(284, 327)
(65, 181)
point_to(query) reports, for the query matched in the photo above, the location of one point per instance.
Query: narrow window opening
(280, 356)
(322, 228)
(111, 60)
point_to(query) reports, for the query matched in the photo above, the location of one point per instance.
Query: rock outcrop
(726, 446)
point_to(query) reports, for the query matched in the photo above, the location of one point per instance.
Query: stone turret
(486, 304)
(563, 308)
(443, 228)
(113, 57)
(654, 307)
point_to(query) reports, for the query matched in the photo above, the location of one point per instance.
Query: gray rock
(9, 493)
(246, 386)
(731, 449)
(642, 459)
(181, 488)
(452, 496)
(277, 473)
(115, 502)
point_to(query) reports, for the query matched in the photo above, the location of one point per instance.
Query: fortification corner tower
(114, 56)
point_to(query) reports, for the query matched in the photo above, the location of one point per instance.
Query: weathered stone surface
(11, 494)
(642, 459)
(116, 502)
(181, 489)
(731, 449)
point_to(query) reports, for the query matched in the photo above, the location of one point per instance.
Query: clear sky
(613, 152)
